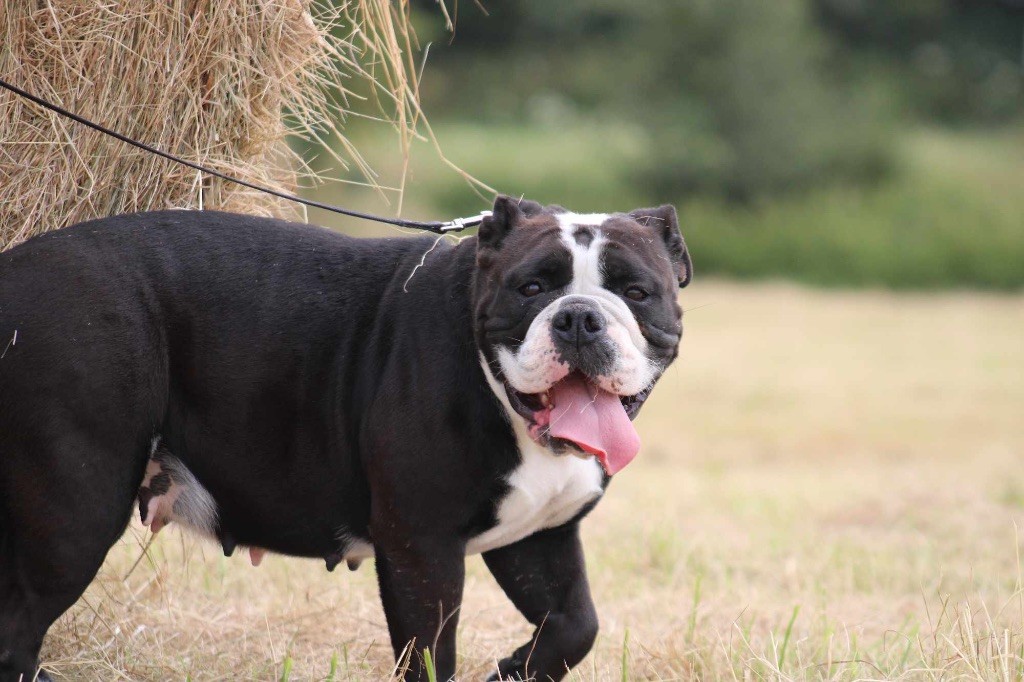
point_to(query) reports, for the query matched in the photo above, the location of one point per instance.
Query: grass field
(831, 488)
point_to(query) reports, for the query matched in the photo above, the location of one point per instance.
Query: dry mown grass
(831, 488)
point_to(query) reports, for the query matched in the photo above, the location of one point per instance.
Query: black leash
(437, 227)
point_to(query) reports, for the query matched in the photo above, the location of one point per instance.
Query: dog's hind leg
(62, 508)
(21, 633)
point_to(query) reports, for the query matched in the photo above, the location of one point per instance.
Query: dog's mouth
(576, 415)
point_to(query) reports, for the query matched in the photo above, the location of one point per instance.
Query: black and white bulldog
(287, 389)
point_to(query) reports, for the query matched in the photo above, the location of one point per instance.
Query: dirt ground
(830, 488)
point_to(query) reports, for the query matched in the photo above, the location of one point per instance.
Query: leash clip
(459, 224)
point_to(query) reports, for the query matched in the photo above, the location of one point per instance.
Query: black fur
(323, 389)
(274, 360)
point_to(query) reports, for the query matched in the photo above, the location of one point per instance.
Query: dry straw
(220, 82)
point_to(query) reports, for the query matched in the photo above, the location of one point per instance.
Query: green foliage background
(839, 142)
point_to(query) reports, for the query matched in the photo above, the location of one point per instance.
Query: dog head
(577, 318)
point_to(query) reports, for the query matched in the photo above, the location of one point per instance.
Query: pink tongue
(598, 424)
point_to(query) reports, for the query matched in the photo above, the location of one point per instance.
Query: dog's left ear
(504, 216)
(664, 221)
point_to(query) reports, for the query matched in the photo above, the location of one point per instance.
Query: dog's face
(577, 318)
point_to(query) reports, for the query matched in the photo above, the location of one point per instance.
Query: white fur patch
(546, 490)
(535, 366)
(567, 221)
(359, 550)
(356, 549)
(586, 261)
(187, 502)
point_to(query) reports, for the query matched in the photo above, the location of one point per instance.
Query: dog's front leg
(545, 577)
(421, 580)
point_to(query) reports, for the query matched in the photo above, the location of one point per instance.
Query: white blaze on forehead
(570, 220)
(586, 256)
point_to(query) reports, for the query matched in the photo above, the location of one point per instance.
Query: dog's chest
(545, 491)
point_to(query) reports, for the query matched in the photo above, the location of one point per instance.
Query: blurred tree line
(741, 98)
(836, 142)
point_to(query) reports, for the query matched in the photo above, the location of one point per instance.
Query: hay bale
(219, 82)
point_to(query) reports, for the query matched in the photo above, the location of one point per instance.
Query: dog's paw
(508, 671)
(496, 676)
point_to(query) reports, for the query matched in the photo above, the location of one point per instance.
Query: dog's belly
(171, 493)
(546, 490)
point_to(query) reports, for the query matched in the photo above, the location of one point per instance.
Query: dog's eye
(636, 294)
(531, 289)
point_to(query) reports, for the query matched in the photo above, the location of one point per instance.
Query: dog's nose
(578, 324)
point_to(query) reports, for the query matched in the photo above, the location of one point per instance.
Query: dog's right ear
(505, 215)
(529, 208)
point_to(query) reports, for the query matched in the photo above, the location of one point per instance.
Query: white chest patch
(546, 490)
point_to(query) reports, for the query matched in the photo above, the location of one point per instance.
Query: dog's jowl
(285, 389)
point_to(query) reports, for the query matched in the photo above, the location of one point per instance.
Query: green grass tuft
(286, 670)
(428, 664)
